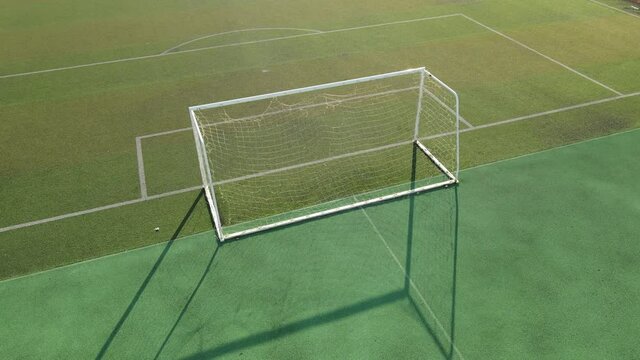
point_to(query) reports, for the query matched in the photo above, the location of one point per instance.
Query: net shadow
(431, 264)
(419, 230)
(297, 326)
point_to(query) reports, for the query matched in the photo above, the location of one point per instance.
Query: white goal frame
(209, 184)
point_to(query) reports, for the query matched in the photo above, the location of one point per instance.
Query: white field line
(550, 149)
(451, 111)
(389, 146)
(251, 117)
(541, 54)
(413, 285)
(615, 8)
(153, 197)
(163, 133)
(169, 132)
(526, 117)
(100, 208)
(144, 57)
(141, 176)
(310, 106)
(555, 111)
(235, 32)
(315, 162)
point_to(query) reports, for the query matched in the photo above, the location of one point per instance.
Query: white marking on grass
(144, 57)
(541, 54)
(526, 117)
(304, 107)
(551, 149)
(235, 32)
(97, 209)
(451, 111)
(162, 133)
(141, 176)
(413, 285)
(615, 8)
(315, 162)
(555, 111)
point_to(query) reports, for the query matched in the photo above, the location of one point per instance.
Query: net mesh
(286, 156)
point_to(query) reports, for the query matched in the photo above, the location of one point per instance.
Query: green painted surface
(533, 257)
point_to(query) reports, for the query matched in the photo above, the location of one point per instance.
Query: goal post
(276, 159)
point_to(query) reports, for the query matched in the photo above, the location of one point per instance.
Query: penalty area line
(141, 175)
(541, 54)
(96, 209)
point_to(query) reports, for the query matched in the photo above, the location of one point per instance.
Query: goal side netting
(276, 159)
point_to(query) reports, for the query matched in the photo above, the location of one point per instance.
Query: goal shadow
(152, 274)
(421, 232)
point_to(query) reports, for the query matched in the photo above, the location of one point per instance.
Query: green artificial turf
(533, 257)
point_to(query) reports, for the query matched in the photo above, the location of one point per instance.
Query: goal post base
(320, 214)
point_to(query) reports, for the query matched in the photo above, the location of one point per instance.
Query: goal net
(276, 159)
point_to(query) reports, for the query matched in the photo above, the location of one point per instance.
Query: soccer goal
(281, 158)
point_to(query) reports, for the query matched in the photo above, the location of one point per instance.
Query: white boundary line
(141, 176)
(162, 133)
(555, 111)
(152, 197)
(551, 149)
(541, 54)
(100, 208)
(235, 32)
(571, 107)
(144, 57)
(615, 8)
(314, 162)
(169, 132)
(413, 285)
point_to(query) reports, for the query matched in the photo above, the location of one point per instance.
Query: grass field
(95, 95)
